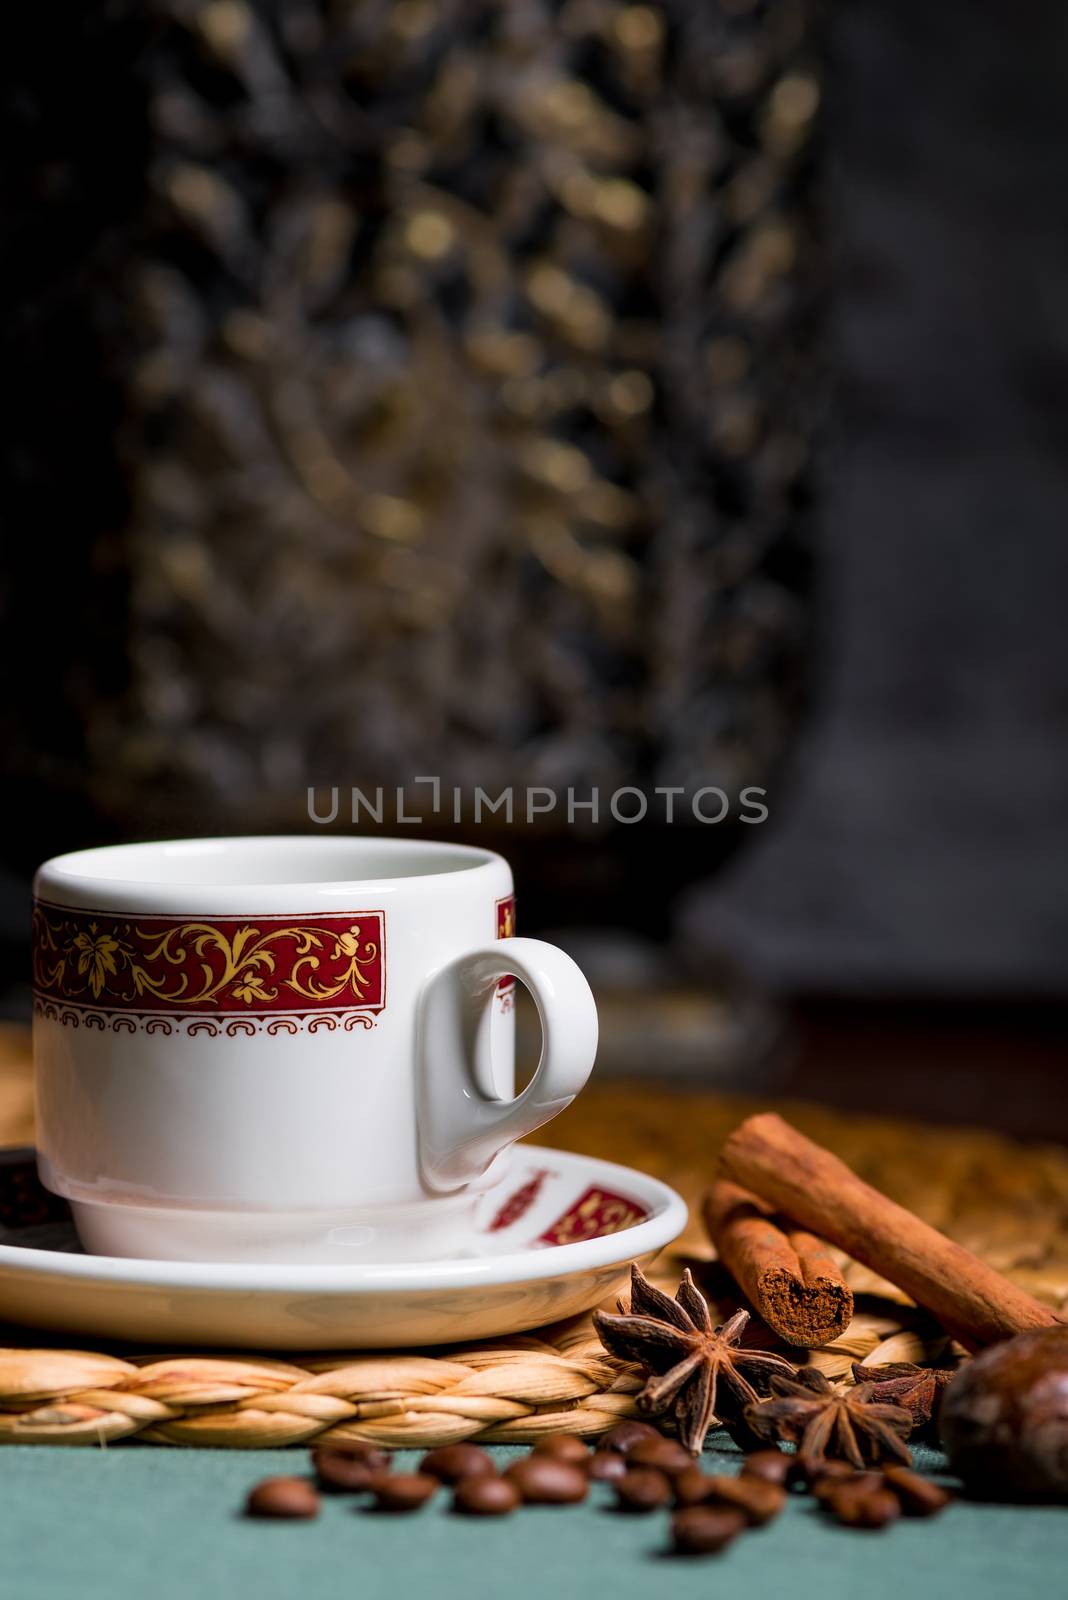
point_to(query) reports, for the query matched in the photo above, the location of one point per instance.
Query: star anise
(822, 1421)
(693, 1365)
(900, 1383)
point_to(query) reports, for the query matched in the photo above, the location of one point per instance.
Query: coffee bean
(691, 1486)
(919, 1496)
(874, 1508)
(283, 1497)
(757, 1500)
(402, 1491)
(344, 1474)
(606, 1466)
(564, 1446)
(643, 1489)
(357, 1450)
(452, 1462)
(667, 1454)
(832, 1485)
(809, 1473)
(705, 1530)
(545, 1480)
(485, 1496)
(348, 1468)
(625, 1435)
(773, 1466)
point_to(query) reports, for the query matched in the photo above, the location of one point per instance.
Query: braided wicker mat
(1006, 1201)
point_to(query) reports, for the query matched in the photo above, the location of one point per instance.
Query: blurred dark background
(579, 394)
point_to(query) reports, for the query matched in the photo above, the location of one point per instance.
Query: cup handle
(460, 1128)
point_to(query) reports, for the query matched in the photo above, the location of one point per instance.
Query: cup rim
(92, 871)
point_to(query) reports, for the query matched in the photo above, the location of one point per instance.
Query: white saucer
(555, 1237)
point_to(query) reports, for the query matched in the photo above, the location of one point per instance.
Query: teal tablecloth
(137, 1521)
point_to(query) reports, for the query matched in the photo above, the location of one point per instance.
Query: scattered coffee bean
(625, 1435)
(691, 1486)
(347, 1470)
(919, 1496)
(809, 1473)
(606, 1466)
(847, 1483)
(773, 1466)
(402, 1491)
(452, 1462)
(344, 1474)
(545, 1480)
(870, 1508)
(705, 1530)
(564, 1447)
(643, 1489)
(755, 1498)
(357, 1450)
(283, 1497)
(485, 1496)
(667, 1454)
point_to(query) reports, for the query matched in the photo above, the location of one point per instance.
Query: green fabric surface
(155, 1523)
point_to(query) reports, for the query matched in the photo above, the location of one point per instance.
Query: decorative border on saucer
(219, 975)
(519, 1201)
(594, 1214)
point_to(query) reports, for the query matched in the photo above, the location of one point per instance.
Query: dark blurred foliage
(407, 388)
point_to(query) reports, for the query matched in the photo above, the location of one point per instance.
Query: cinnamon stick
(798, 1177)
(787, 1275)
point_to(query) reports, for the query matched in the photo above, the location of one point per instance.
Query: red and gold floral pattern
(506, 917)
(219, 965)
(594, 1214)
(519, 1203)
(506, 930)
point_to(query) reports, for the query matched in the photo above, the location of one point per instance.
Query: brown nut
(643, 1489)
(919, 1496)
(564, 1446)
(773, 1466)
(625, 1435)
(704, 1530)
(403, 1491)
(452, 1462)
(1004, 1418)
(756, 1499)
(606, 1466)
(545, 1480)
(283, 1497)
(667, 1454)
(485, 1496)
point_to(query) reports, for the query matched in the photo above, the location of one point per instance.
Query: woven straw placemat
(1007, 1201)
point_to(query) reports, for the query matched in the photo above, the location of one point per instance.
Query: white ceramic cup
(291, 1049)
